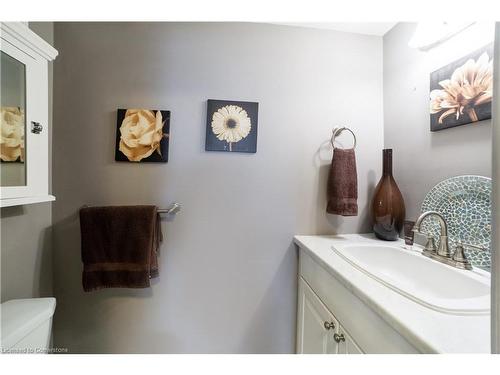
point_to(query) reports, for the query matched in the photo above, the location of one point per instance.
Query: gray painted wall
(26, 255)
(228, 266)
(26, 251)
(436, 156)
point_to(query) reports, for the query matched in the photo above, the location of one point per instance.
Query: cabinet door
(316, 325)
(24, 165)
(346, 343)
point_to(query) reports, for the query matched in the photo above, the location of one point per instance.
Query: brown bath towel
(342, 189)
(119, 246)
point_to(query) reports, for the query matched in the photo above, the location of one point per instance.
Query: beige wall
(228, 266)
(26, 248)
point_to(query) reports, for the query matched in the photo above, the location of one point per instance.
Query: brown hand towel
(119, 246)
(342, 189)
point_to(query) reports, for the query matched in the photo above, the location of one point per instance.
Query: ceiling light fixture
(430, 34)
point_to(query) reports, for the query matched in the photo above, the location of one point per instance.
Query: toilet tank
(26, 325)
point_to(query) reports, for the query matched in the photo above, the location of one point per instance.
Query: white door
(346, 343)
(316, 325)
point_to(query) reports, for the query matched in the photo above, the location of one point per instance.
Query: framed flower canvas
(142, 135)
(461, 92)
(231, 126)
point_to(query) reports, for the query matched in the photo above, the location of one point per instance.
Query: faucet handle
(482, 248)
(459, 254)
(430, 246)
(459, 257)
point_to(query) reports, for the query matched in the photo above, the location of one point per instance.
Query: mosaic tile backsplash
(465, 203)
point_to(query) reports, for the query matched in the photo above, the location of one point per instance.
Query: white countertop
(426, 329)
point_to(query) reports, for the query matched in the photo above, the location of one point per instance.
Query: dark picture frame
(142, 135)
(461, 92)
(231, 126)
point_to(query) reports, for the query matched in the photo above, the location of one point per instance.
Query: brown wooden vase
(388, 206)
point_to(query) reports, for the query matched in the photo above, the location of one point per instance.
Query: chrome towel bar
(172, 210)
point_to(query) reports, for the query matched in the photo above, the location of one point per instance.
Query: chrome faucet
(442, 253)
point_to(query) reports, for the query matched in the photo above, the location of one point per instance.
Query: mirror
(12, 121)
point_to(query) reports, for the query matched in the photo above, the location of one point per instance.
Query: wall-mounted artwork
(12, 127)
(461, 92)
(231, 126)
(142, 135)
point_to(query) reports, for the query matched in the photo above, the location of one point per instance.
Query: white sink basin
(423, 280)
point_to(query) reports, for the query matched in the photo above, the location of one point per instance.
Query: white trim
(9, 202)
(31, 40)
(495, 255)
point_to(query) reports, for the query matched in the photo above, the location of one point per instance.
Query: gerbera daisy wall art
(231, 126)
(461, 92)
(142, 135)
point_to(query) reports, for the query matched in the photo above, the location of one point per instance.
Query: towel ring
(337, 131)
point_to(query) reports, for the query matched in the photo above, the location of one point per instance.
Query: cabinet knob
(329, 325)
(338, 338)
(36, 127)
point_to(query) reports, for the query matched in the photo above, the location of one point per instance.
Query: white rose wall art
(12, 140)
(142, 135)
(461, 92)
(231, 126)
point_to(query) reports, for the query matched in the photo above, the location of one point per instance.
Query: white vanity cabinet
(318, 331)
(356, 329)
(24, 115)
(372, 316)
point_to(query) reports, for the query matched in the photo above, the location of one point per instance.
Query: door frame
(495, 255)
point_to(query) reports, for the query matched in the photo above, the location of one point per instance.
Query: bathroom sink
(423, 280)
